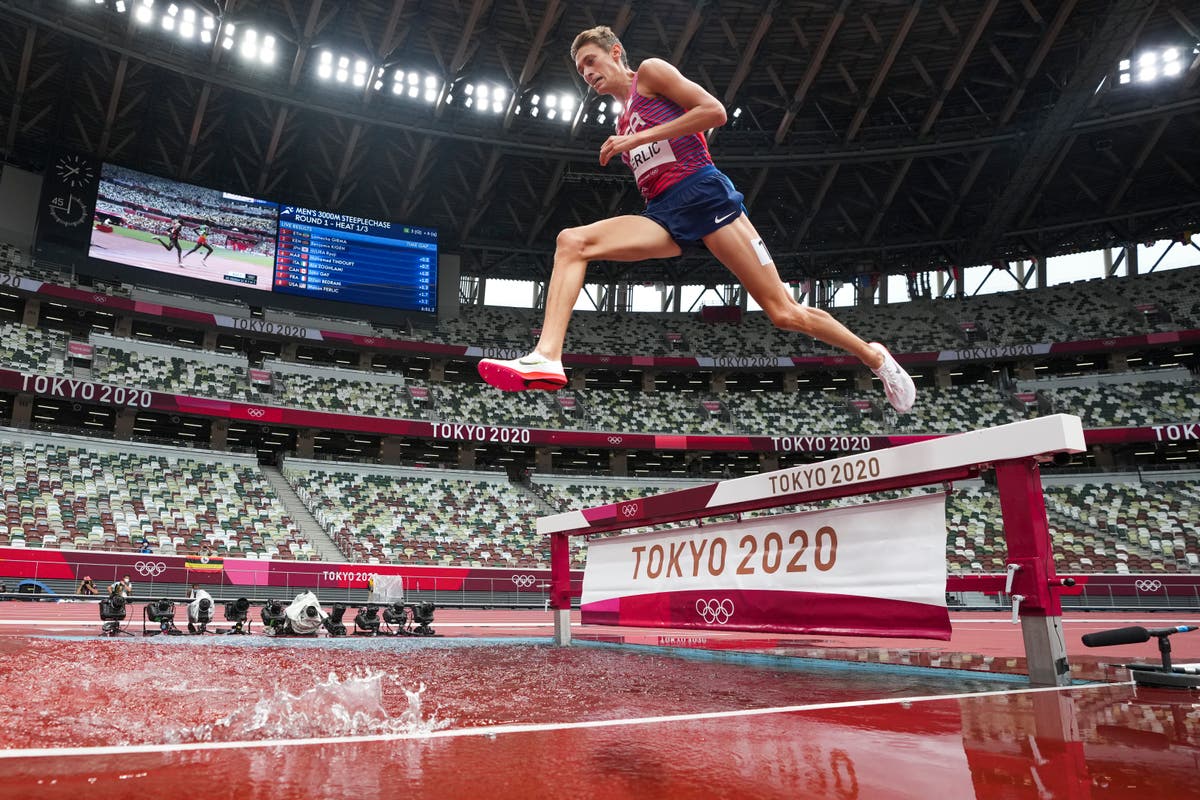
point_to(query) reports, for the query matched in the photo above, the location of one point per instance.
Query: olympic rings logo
(100, 298)
(150, 569)
(523, 581)
(629, 510)
(615, 439)
(715, 612)
(257, 413)
(1152, 585)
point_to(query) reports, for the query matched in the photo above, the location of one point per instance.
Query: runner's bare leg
(625, 238)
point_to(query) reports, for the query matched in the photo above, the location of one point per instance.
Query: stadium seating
(946, 410)
(809, 413)
(1092, 309)
(32, 349)
(648, 412)
(76, 493)
(12, 260)
(104, 496)
(1096, 527)
(397, 515)
(1130, 404)
(409, 516)
(474, 402)
(339, 395)
(178, 373)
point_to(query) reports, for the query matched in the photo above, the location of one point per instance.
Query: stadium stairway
(545, 502)
(298, 511)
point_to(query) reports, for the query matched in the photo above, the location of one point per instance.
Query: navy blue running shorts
(696, 206)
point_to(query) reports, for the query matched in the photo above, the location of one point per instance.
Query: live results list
(351, 259)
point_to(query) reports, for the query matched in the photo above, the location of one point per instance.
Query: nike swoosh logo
(719, 220)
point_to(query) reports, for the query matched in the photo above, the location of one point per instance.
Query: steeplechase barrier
(1013, 451)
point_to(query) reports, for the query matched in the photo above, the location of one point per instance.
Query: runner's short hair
(601, 35)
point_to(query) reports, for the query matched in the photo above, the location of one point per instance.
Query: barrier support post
(1027, 532)
(560, 587)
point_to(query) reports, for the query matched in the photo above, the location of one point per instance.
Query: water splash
(350, 706)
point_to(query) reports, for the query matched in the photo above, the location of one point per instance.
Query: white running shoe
(900, 389)
(529, 372)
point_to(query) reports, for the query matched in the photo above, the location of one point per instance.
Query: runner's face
(599, 67)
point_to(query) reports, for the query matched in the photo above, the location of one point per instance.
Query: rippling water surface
(85, 692)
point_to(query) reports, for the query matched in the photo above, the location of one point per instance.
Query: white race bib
(649, 156)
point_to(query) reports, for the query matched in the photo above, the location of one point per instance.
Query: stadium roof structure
(867, 135)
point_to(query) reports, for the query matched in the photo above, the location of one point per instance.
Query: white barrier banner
(873, 570)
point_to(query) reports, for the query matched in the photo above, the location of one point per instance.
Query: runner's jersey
(659, 165)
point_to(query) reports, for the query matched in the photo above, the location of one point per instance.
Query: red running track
(522, 721)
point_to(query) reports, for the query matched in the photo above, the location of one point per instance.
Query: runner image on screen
(173, 234)
(201, 241)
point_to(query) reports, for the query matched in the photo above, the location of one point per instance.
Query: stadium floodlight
(1172, 66)
(145, 12)
(433, 85)
(228, 30)
(210, 22)
(267, 53)
(1150, 66)
(250, 43)
(121, 7)
(168, 23)
(172, 10)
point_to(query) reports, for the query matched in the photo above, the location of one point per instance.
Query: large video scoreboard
(158, 224)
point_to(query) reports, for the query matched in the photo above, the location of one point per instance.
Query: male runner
(660, 136)
(201, 241)
(173, 234)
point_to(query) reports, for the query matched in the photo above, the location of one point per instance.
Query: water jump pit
(515, 716)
